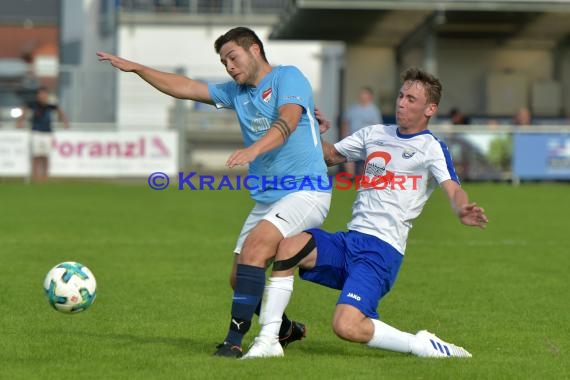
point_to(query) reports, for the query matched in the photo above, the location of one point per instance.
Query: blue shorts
(362, 266)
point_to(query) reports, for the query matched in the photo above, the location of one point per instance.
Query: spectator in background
(41, 121)
(457, 117)
(360, 114)
(522, 117)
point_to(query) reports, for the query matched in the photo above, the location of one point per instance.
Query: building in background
(28, 53)
(493, 56)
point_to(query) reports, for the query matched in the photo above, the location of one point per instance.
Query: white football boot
(428, 345)
(264, 347)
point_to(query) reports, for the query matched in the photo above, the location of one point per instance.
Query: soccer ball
(70, 287)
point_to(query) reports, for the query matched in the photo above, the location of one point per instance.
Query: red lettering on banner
(159, 145)
(97, 149)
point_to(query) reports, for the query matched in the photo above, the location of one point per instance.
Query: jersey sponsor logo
(354, 296)
(408, 154)
(266, 95)
(375, 168)
(260, 125)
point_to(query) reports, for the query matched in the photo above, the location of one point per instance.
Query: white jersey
(402, 171)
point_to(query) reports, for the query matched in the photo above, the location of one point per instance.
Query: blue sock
(250, 282)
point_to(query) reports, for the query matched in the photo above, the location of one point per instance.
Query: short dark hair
(431, 84)
(243, 37)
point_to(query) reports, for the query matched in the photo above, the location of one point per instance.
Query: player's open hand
(472, 215)
(118, 62)
(241, 157)
(324, 123)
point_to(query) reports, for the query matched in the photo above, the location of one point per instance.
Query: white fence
(80, 154)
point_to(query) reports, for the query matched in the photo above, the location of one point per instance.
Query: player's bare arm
(285, 124)
(331, 155)
(468, 213)
(174, 85)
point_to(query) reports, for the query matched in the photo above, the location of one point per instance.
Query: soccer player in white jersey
(404, 164)
(276, 112)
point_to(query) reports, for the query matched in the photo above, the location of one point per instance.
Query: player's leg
(355, 317)
(297, 212)
(373, 268)
(290, 330)
(231, 347)
(349, 323)
(292, 252)
(285, 217)
(260, 246)
(297, 251)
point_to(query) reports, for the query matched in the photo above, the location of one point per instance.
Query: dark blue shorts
(362, 266)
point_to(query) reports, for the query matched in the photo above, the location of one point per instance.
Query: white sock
(275, 299)
(389, 338)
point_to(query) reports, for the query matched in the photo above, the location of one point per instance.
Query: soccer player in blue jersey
(404, 163)
(275, 109)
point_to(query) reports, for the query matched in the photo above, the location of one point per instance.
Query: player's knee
(258, 249)
(345, 330)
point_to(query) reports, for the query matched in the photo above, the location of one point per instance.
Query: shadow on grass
(341, 349)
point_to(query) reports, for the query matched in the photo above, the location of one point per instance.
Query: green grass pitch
(162, 260)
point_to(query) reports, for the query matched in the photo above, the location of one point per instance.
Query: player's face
(239, 63)
(412, 109)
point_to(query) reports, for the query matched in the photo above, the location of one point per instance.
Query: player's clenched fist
(118, 62)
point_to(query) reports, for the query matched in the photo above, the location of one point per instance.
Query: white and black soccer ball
(70, 287)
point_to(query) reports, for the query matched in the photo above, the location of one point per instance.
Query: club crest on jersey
(266, 95)
(408, 154)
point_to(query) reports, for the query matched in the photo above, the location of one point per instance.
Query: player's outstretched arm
(468, 213)
(174, 85)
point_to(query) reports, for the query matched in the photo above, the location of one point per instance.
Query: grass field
(162, 259)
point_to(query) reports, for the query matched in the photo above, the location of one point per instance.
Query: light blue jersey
(299, 162)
